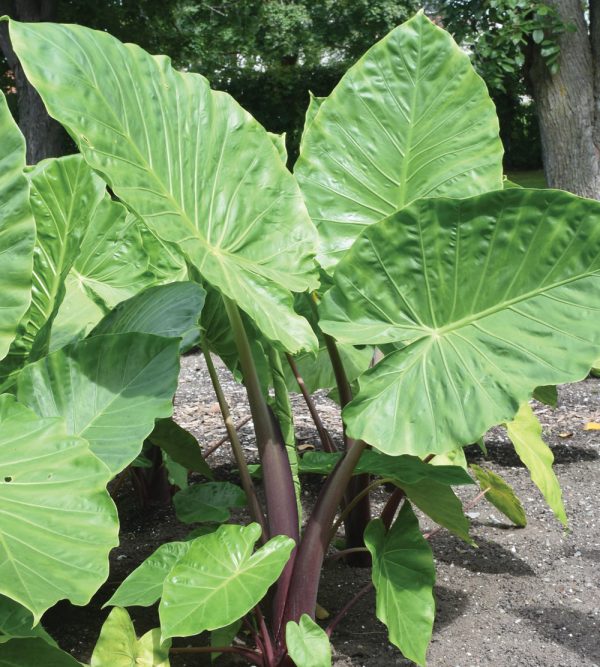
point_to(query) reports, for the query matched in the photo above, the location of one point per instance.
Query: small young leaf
(143, 587)
(403, 575)
(525, 432)
(307, 643)
(208, 502)
(220, 579)
(500, 495)
(118, 645)
(224, 636)
(180, 445)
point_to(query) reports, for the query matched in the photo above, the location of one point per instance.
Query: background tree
(548, 50)
(267, 53)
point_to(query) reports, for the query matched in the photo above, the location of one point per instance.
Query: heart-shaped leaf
(190, 162)
(17, 230)
(403, 575)
(57, 523)
(220, 579)
(411, 119)
(109, 389)
(307, 643)
(487, 299)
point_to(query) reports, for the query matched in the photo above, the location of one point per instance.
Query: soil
(525, 597)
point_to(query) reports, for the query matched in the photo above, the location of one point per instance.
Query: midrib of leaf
(162, 189)
(57, 266)
(405, 163)
(505, 305)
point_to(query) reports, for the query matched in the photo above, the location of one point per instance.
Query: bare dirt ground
(525, 597)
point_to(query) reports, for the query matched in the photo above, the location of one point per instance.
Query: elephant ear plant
(391, 268)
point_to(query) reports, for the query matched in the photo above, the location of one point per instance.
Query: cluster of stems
(296, 590)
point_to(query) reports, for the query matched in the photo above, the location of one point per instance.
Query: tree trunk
(43, 135)
(566, 104)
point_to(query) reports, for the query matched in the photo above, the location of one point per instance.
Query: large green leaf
(525, 432)
(171, 310)
(487, 299)
(403, 575)
(118, 645)
(500, 495)
(411, 119)
(143, 587)
(57, 521)
(307, 643)
(209, 502)
(220, 579)
(190, 162)
(109, 389)
(34, 651)
(17, 621)
(17, 229)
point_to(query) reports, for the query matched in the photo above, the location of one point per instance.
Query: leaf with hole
(58, 523)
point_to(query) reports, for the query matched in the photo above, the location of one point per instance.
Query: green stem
(236, 445)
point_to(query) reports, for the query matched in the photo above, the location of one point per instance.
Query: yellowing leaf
(525, 431)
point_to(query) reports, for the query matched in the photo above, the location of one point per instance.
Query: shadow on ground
(565, 626)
